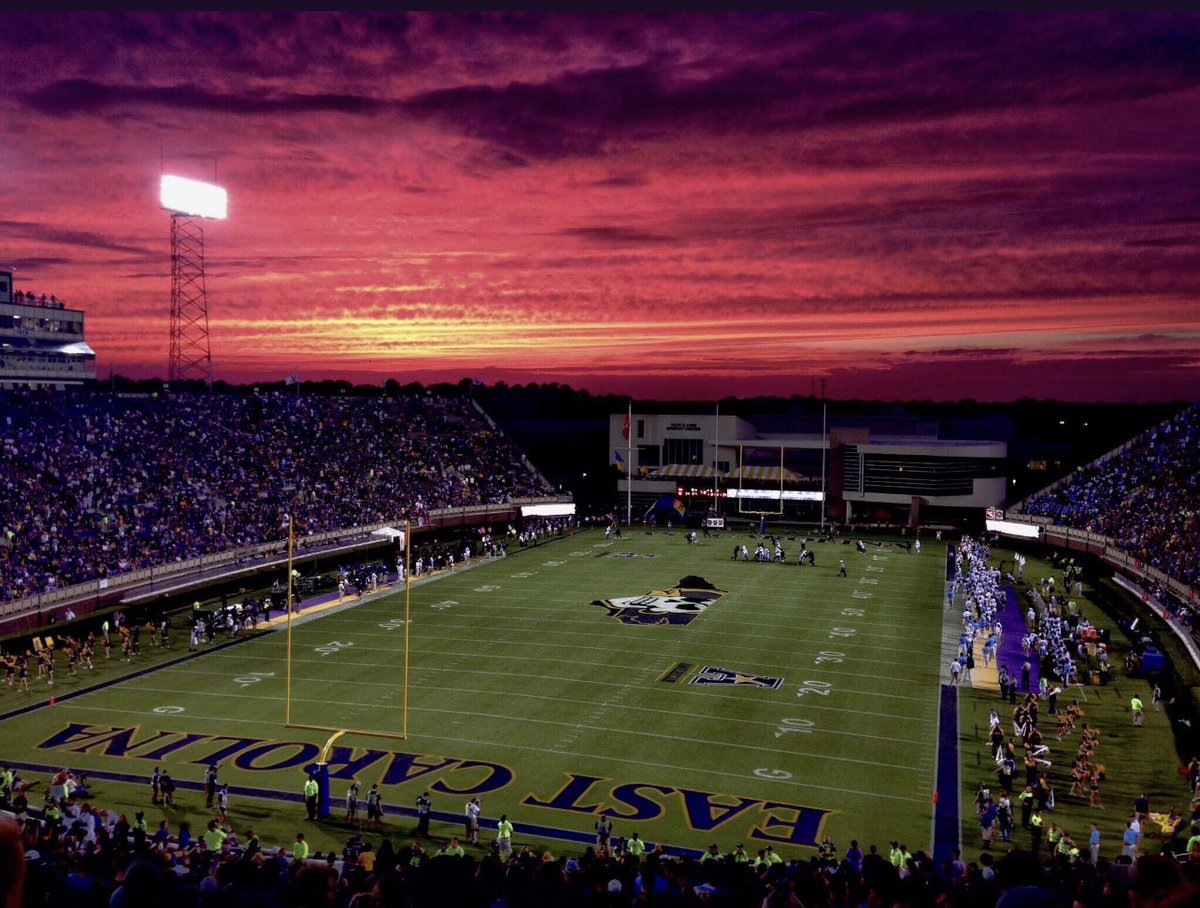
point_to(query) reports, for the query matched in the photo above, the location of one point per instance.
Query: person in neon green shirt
(635, 846)
(453, 849)
(1035, 831)
(1066, 848)
(310, 796)
(417, 855)
(1053, 837)
(214, 836)
(504, 831)
(300, 849)
(1193, 847)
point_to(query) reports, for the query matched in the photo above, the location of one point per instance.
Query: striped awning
(764, 474)
(685, 471)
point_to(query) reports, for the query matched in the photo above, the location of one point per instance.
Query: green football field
(759, 703)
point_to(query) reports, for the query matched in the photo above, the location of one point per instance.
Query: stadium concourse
(95, 485)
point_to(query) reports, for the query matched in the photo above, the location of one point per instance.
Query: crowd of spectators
(97, 484)
(90, 858)
(29, 298)
(1146, 498)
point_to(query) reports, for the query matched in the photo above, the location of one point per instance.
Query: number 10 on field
(801, 726)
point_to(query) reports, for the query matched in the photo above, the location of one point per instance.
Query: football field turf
(686, 696)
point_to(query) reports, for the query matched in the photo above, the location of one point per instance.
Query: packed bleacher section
(97, 485)
(1145, 498)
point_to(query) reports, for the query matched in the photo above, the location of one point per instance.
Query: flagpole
(629, 467)
(716, 454)
(824, 445)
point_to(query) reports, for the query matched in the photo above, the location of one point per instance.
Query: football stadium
(366, 635)
(484, 549)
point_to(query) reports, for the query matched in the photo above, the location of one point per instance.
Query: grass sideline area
(1137, 760)
(767, 704)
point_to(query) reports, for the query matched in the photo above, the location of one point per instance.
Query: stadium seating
(98, 484)
(1145, 497)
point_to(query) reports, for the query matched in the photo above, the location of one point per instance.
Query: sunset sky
(908, 206)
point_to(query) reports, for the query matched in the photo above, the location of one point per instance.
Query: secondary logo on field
(629, 555)
(676, 673)
(679, 605)
(711, 674)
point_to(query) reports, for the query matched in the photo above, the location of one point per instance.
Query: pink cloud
(729, 202)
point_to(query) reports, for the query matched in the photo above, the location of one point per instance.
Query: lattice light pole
(191, 356)
(190, 202)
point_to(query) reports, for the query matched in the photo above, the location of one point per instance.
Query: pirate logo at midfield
(681, 604)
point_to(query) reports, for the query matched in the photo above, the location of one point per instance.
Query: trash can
(1153, 661)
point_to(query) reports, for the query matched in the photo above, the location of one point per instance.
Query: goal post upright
(287, 694)
(759, 507)
(741, 476)
(407, 620)
(781, 479)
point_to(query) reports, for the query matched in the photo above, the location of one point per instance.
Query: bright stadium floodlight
(1013, 528)
(193, 197)
(190, 202)
(547, 510)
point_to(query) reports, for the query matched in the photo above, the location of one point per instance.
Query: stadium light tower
(190, 202)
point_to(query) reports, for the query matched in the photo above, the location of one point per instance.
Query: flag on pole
(620, 461)
(625, 428)
(292, 379)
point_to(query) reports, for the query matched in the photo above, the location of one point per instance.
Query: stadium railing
(1096, 544)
